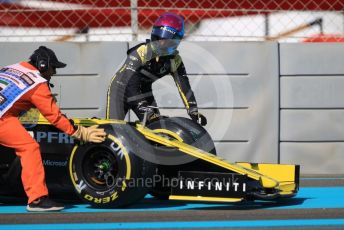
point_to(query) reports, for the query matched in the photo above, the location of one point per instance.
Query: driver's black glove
(198, 117)
(151, 117)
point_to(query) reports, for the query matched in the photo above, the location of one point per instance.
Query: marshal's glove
(89, 134)
(198, 117)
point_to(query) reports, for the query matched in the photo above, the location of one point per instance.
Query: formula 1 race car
(171, 158)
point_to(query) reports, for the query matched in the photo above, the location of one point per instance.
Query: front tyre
(109, 174)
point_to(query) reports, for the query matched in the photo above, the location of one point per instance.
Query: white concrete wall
(312, 106)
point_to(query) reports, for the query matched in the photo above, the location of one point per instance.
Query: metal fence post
(134, 19)
(267, 25)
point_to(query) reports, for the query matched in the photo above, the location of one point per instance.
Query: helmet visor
(165, 46)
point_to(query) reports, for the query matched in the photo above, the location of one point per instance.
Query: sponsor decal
(14, 71)
(31, 134)
(53, 137)
(32, 75)
(2, 99)
(133, 58)
(162, 69)
(81, 186)
(55, 163)
(168, 30)
(102, 200)
(210, 184)
(3, 84)
(141, 51)
(27, 79)
(130, 66)
(13, 79)
(131, 69)
(117, 149)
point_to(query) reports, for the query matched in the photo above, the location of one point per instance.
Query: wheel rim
(100, 168)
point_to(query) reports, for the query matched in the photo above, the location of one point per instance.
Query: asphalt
(319, 205)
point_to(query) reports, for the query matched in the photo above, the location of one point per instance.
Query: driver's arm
(182, 82)
(132, 76)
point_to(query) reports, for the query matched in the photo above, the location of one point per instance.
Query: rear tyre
(191, 133)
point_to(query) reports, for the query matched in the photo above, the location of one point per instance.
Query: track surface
(318, 205)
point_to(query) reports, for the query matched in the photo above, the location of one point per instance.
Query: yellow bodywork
(286, 175)
(281, 177)
(33, 116)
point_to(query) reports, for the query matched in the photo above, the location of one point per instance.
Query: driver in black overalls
(131, 87)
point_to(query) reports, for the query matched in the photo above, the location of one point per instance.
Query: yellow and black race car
(171, 158)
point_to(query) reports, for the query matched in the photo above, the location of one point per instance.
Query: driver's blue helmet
(170, 27)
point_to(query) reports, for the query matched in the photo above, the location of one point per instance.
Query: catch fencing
(205, 20)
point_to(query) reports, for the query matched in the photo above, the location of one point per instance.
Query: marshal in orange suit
(23, 86)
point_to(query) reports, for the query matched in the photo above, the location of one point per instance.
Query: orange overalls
(14, 135)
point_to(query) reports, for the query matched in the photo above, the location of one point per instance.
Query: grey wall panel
(312, 125)
(79, 92)
(253, 71)
(82, 113)
(312, 81)
(312, 92)
(314, 158)
(102, 57)
(20, 51)
(96, 64)
(211, 91)
(311, 58)
(227, 57)
(241, 151)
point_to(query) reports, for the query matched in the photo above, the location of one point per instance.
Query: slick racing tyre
(190, 133)
(110, 174)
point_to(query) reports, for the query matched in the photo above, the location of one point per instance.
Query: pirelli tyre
(110, 174)
(189, 132)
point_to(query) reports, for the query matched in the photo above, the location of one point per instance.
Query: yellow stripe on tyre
(126, 156)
